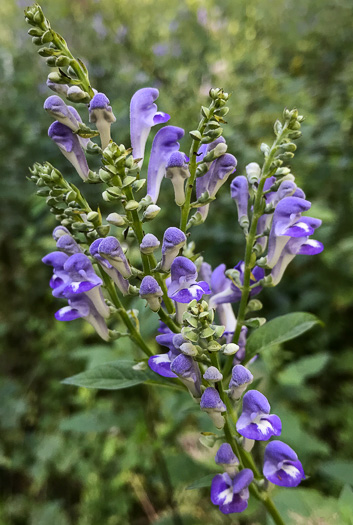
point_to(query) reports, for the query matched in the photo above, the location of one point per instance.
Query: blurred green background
(82, 457)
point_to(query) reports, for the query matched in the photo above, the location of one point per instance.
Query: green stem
(168, 321)
(249, 262)
(134, 334)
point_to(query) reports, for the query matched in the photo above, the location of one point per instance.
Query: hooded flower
(70, 147)
(173, 240)
(114, 274)
(216, 176)
(231, 495)
(164, 144)
(239, 191)
(241, 379)
(281, 465)
(144, 115)
(111, 250)
(82, 307)
(214, 406)
(188, 372)
(151, 291)
(177, 170)
(57, 109)
(149, 244)
(101, 114)
(255, 422)
(160, 363)
(231, 293)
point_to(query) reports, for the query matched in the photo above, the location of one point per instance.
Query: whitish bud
(230, 349)
(116, 220)
(253, 172)
(151, 212)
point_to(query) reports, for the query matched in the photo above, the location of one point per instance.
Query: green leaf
(202, 482)
(296, 373)
(341, 470)
(279, 330)
(96, 420)
(115, 376)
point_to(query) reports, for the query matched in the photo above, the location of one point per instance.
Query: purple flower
(82, 307)
(164, 144)
(144, 115)
(60, 277)
(216, 176)
(160, 363)
(287, 223)
(111, 250)
(214, 406)
(241, 379)
(101, 114)
(173, 240)
(281, 465)
(151, 291)
(219, 283)
(114, 274)
(295, 246)
(239, 191)
(67, 244)
(213, 375)
(227, 459)
(255, 422)
(240, 355)
(231, 495)
(70, 147)
(149, 243)
(177, 170)
(60, 89)
(188, 372)
(183, 287)
(59, 231)
(231, 293)
(57, 109)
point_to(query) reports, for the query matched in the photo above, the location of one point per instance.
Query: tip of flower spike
(211, 400)
(99, 101)
(226, 456)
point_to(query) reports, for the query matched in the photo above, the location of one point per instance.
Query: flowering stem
(168, 321)
(185, 209)
(134, 334)
(250, 260)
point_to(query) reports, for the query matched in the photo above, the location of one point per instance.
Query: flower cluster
(205, 339)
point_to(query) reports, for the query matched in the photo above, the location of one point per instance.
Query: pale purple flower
(240, 355)
(149, 243)
(255, 422)
(70, 147)
(212, 404)
(239, 191)
(216, 176)
(160, 363)
(144, 115)
(151, 291)
(227, 459)
(183, 287)
(66, 243)
(287, 223)
(57, 109)
(231, 495)
(213, 375)
(231, 293)
(101, 114)
(60, 277)
(219, 283)
(164, 144)
(82, 307)
(60, 89)
(241, 379)
(59, 231)
(114, 274)
(111, 250)
(177, 170)
(188, 372)
(173, 240)
(281, 465)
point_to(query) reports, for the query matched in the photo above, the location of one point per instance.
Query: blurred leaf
(283, 328)
(341, 470)
(296, 373)
(345, 503)
(96, 420)
(202, 482)
(115, 376)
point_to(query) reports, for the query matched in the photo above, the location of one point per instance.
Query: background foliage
(77, 456)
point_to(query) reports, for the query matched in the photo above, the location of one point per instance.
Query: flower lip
(281, 465)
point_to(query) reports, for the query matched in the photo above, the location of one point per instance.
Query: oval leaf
(115, 376)
(202, 482)
(279, 330)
